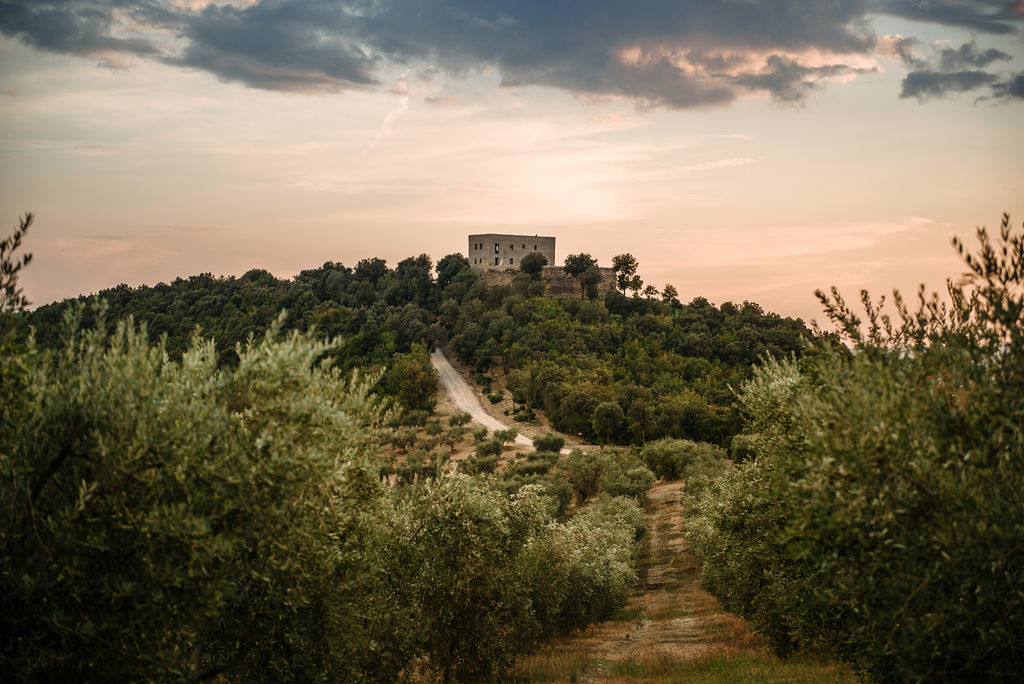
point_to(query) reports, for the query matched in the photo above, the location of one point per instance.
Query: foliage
(379, 312)
(412, 380)
(11, 297)
(532, 264)
(610, 472)
(623, 474)
(673, 459)
(584, 471)
(549, 442)
(881, 515)
(608, 416)
(576, 265)
(129, 481)
(506, 436)
(625, 267)
(669, 367)
(459, 418)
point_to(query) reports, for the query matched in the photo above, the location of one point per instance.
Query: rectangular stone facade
(494, 250)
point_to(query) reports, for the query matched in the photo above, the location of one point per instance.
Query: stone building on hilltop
(494, 250)
(497, 257)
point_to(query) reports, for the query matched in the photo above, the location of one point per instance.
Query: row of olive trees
(164, 519)
(881, 516)
(167, 519)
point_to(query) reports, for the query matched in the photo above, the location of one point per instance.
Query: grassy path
(672, 630)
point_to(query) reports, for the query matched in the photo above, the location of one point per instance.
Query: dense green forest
(656, 367)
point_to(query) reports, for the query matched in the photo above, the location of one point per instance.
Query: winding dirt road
(466, 399)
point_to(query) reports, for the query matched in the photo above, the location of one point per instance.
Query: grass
(554, 664)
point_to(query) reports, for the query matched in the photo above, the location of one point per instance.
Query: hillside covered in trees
(654, 366)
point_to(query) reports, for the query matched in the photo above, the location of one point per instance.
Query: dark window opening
(511, 261)
(495, 247)
(497, 261)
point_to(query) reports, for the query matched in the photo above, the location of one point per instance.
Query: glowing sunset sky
(740, 149)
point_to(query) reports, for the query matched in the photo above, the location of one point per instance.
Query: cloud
(1012, 87)
(926, 84)
(968, 55)
(986, 16)
(656, 53)
(74, 28)
(947, 70)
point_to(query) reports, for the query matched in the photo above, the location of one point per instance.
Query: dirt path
(669, 619)
(466, 399)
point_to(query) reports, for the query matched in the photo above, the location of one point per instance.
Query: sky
(739, 149)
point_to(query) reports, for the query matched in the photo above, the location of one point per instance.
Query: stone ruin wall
(558, 282)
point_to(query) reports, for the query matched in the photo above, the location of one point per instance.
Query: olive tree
(880, 514)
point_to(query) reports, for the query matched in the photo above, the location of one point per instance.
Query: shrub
(490, 447)
(671, 459)
(479, 463)
(458, 419)
(584, 471)
(623, 474)
(480, 434)
(496, 397)
(506, 436)
(549, 442)
(743, 448)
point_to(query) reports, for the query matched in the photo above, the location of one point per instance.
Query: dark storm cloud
(672, 53)
(987, 16)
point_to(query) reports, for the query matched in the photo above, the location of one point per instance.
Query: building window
(495, 247)
(497, 261)
(511, 247)
(511, 261)
(524, 248)
(535, 248)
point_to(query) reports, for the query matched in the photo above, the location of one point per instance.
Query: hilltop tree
(670, 295)
(449, 267)
(625, 266)
(532, 264)
(576, 265)
(589, 281)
